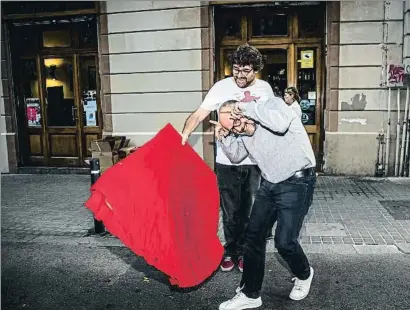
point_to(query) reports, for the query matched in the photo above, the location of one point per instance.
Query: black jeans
(287, 203)
(237, 186)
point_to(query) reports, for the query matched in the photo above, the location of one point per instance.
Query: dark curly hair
(246, 55)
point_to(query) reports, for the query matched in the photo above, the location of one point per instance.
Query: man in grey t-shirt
(273, 136)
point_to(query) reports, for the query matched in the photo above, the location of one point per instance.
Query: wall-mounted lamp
(52, 71)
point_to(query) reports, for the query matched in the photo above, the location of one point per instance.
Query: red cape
(162, 202)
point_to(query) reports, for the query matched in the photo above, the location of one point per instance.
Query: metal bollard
(95, 174)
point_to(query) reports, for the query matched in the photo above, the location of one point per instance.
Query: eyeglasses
(244, 72)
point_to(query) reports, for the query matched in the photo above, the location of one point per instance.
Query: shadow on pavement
(139, 264)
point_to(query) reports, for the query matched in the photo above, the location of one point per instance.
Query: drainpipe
(383, 83)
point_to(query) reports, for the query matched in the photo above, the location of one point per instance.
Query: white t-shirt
(296, 107)
(227, 89)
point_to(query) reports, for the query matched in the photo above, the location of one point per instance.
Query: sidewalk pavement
(347, 212)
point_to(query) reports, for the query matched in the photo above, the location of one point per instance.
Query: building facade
(72, 74)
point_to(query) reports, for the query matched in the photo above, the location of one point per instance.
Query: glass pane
(228, 22)
(311, 24)
(88, 32)
(88, 89)
(307, 84)
(270, 25)
(58, 75)
(275, 69)
(227, 64)
(24, 39)
(30, 92)
(232, 26)
(57, 38)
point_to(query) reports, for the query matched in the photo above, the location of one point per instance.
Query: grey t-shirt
(280, 145)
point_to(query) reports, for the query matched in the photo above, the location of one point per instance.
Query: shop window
(57, 38)
(269, 24)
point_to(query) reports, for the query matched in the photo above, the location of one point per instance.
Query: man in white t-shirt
(238, 183)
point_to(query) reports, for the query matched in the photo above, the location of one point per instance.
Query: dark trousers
(287, 203)
(237, 186)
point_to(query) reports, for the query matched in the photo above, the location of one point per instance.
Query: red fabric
(162, 202)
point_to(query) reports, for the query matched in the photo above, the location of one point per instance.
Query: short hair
(246, 55)
(228, 103)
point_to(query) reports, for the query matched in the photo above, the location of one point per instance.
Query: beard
(242, 82)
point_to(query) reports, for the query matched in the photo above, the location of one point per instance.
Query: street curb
(344, 249)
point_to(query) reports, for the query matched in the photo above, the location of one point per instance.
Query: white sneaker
(240, 302)
(302, 287)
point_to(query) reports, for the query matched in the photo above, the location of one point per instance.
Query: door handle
(74, 114)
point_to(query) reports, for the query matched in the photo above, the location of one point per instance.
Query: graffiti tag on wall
(395, 76)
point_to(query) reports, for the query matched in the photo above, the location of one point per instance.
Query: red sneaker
(227, 264)
(240, 264)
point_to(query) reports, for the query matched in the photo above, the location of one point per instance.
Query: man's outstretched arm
(192, 123)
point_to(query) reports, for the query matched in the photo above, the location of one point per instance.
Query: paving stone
(325, 229)
(379, 249)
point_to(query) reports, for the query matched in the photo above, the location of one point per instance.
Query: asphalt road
(46, 276)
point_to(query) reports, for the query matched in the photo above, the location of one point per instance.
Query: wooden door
(58, 108)
(60, 101)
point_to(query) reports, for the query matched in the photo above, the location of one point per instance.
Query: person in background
(292, 99)
(237, 182)
(271, 133)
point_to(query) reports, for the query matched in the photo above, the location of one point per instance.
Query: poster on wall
(395, 75)
(306, 59)
(90, 107)
(33, 112)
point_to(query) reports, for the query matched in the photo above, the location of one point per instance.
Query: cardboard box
(125, 151)
(106, 150)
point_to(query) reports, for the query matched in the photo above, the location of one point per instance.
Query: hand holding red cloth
(162, 202)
